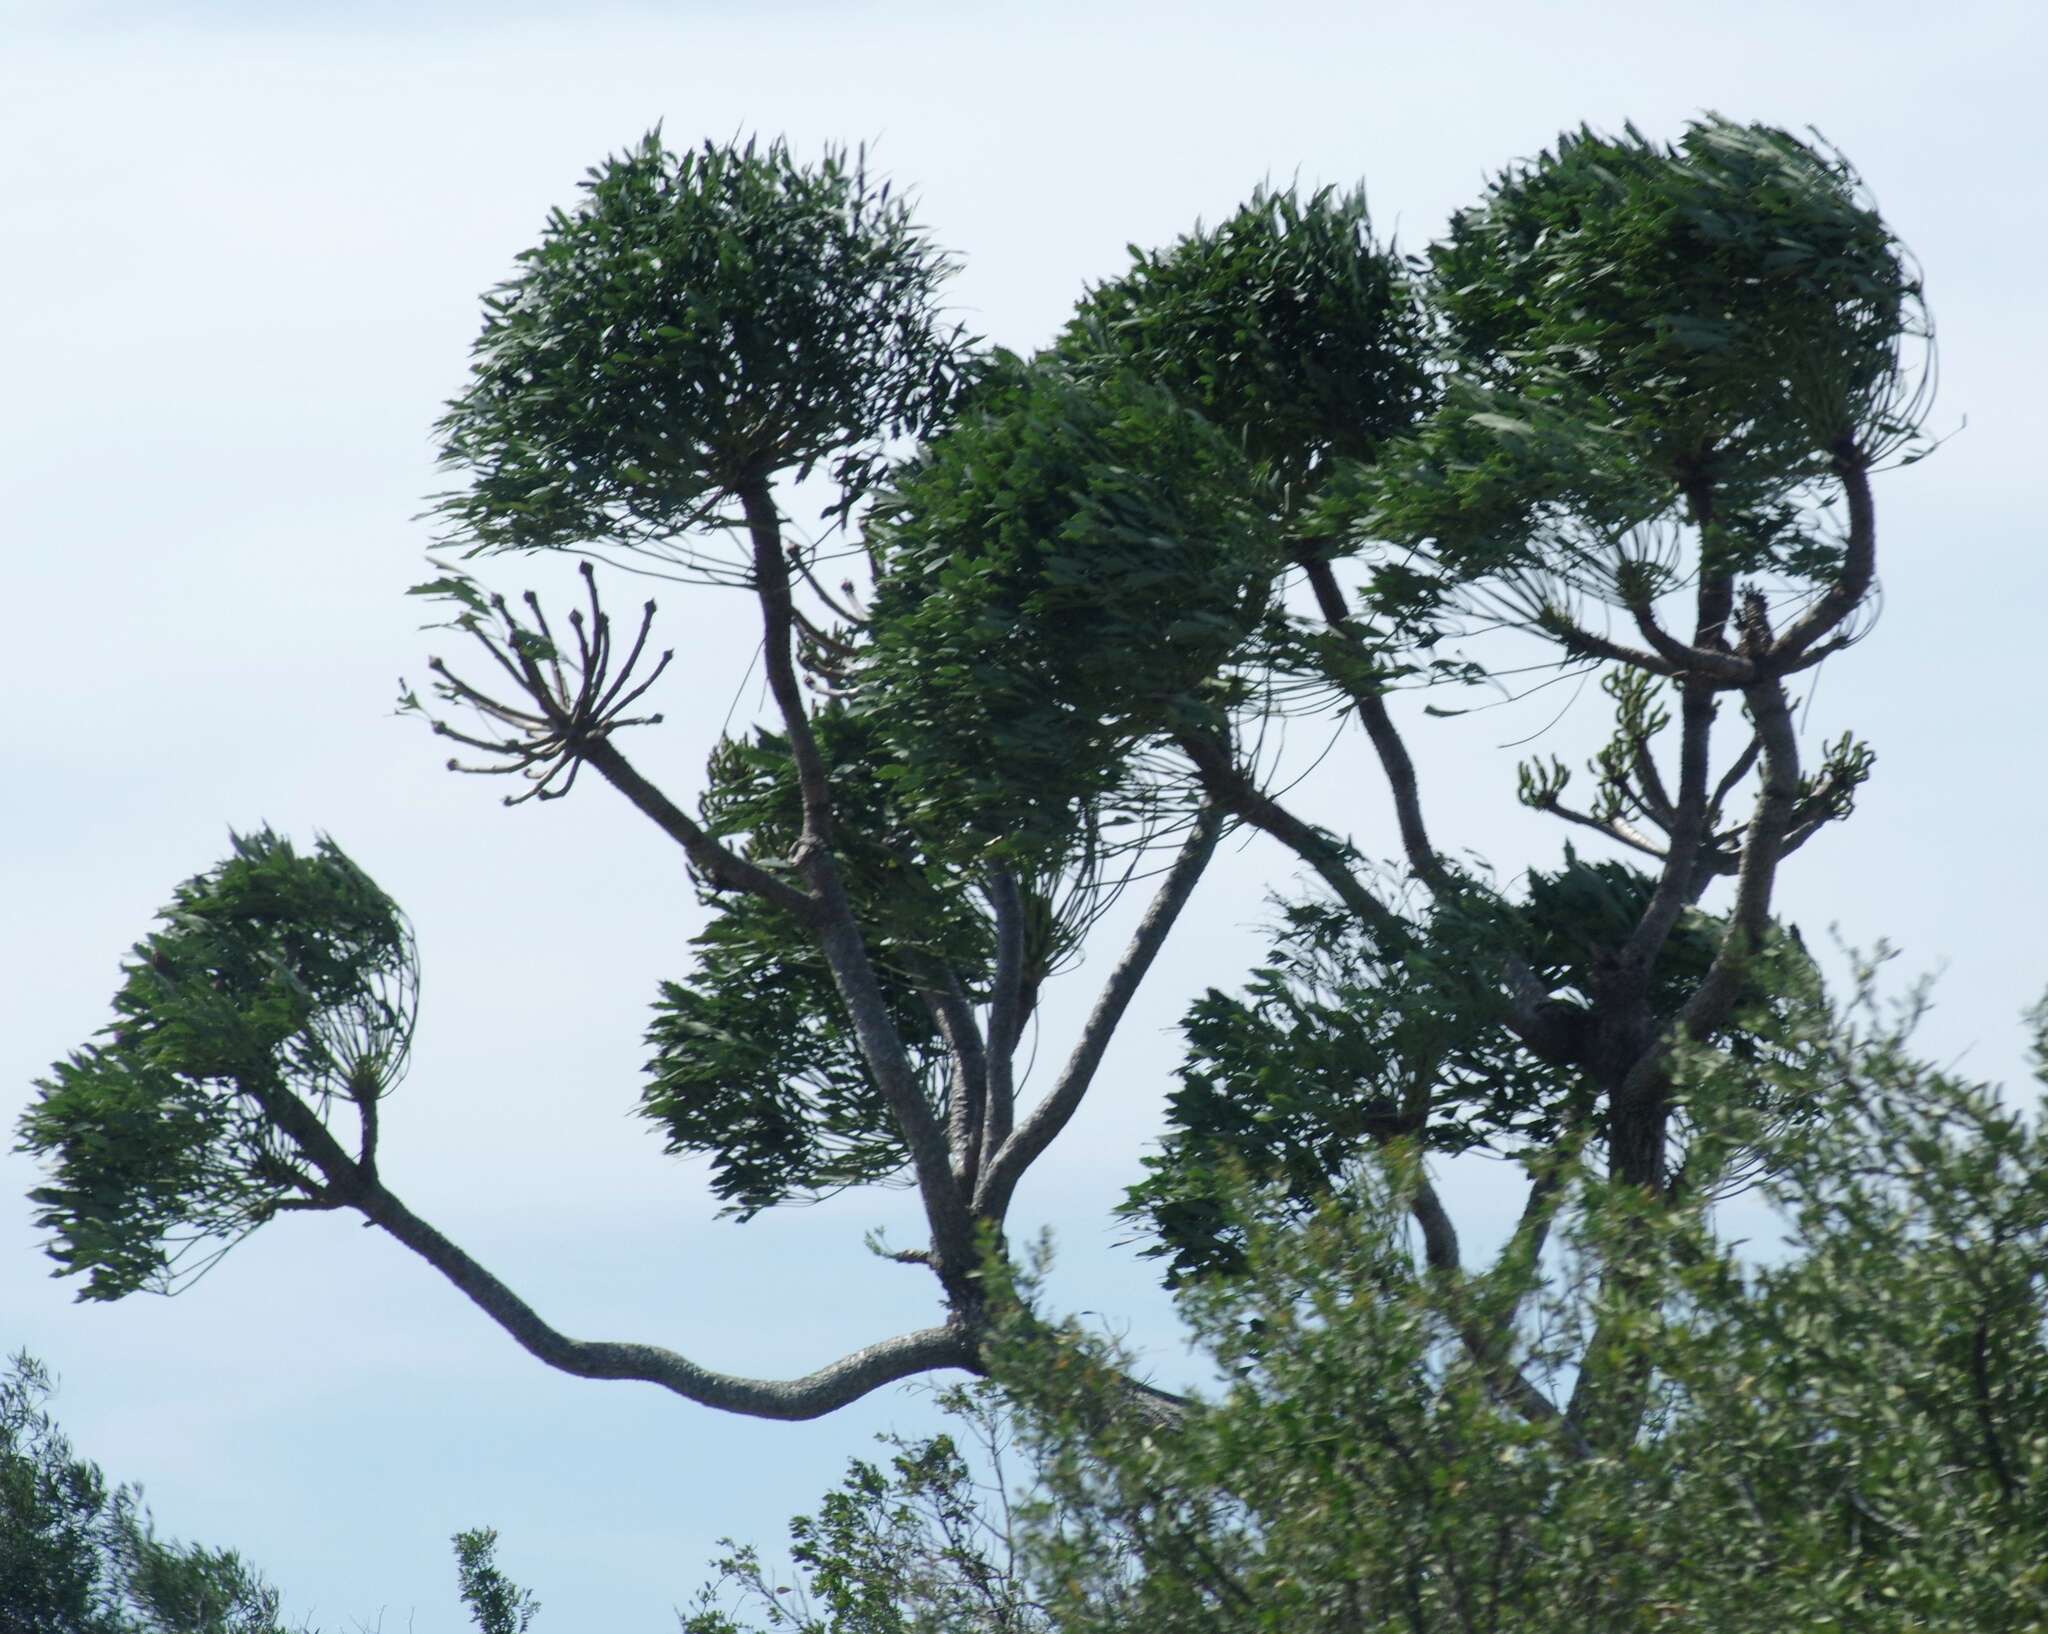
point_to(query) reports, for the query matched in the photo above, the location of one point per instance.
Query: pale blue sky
(244, 245)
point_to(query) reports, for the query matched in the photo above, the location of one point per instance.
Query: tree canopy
(1621, 420)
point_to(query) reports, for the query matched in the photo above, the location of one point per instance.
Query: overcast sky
(243, 249)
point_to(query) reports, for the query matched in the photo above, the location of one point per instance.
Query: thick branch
(838, 932)
(1859, 565)
(723, 867)
(1688, 831)
(1762, 849)
(1682, 658)
(954, 1016)
(1005, 1013)
(778, 621)
(811, 1396)
(1049, 1117)
(881, 1047)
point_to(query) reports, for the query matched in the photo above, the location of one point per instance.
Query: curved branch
(1859, 565)
(1050, 1116)
(811, 1396)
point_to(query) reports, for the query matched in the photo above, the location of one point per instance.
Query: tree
(77, 1557)
(1847, 1430)
(1272, 469)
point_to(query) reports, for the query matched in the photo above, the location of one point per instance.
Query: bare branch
(954, 1017)
(811, 1396)
(1386, 738)
(1688, 830)
(1580, 642)
(1741, 768)
(1488, 1349)
(1614, 828)
(1683, 658)
(837, 930)
(1049, 1117)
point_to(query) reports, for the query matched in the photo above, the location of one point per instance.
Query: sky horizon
(248, 247)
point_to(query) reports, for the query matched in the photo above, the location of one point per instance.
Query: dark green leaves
(1347, 1038)
(1343, 1040)
(698, 324)
(275, 980)
(1061, 575)
(1732, 304)
(1641, 339)
(1284, 326)
(755, 1063)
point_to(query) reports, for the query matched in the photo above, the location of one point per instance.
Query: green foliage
(754, 1062)
(1350, 1036)
(918, 1547)
(1061, 576)
(700, 323)
(1632, 327)
(1852, 1434)
(1284, 326)
(1667, 284)
(77, 1557)
(275, 978)
(496, 1604)
(754, 1058)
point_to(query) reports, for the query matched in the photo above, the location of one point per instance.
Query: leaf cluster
(1285, 325)
(1060, 576)
(699, 323)
(274, 976)
(1351, 1036)
(1638, 336)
